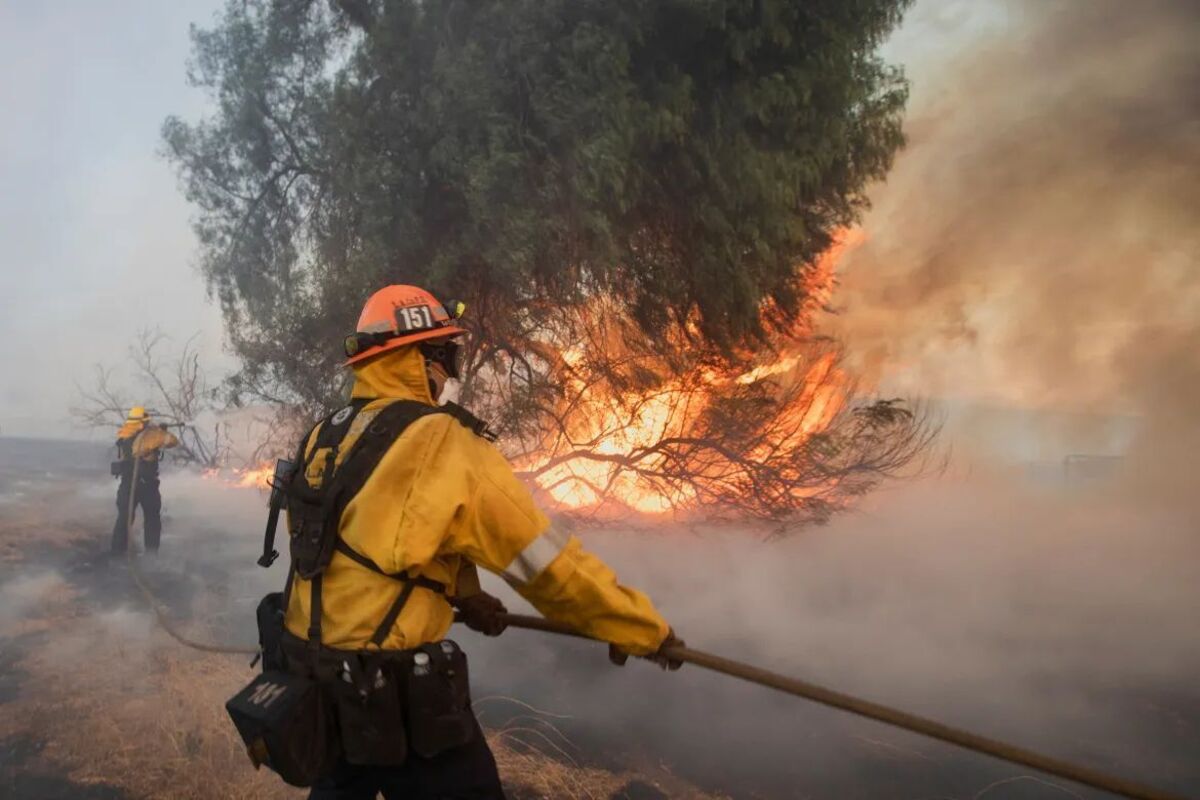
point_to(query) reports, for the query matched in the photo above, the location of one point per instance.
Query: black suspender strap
(357, 557)
(407, 585)
(314, 606)
(314, 611)
(287, 588)
(339, 483)
(469, 421)
(385, 627)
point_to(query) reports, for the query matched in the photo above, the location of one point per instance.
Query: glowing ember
(615, 426)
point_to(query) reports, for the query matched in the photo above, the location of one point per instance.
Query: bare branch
(782, 438)
(174, 387)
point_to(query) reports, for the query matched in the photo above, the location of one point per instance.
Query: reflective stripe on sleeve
(536, 556)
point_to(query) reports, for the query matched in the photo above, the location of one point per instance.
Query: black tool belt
(361, 706)
(388, 702)
(315, 705)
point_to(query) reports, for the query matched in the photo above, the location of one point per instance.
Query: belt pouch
(438, 699)
(269, 615)
(369, 711)
(285, 723)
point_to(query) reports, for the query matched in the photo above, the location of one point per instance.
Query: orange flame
(258, 477)
(585, 471)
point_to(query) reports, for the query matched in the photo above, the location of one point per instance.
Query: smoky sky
(1037, 242)
(94, 236)
(1053, 154)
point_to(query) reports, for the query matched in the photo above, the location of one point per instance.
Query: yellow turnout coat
(442, 500)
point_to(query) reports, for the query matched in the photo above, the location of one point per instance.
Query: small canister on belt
(439, 699)
(369, 710)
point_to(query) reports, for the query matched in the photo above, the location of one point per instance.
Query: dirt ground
(97, 702)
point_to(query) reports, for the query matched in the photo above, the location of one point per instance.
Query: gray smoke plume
(1037, 242)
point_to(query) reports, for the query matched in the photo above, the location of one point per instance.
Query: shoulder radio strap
(284, 472)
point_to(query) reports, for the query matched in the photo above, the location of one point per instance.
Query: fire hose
(756, 675)
(881, 713)
(160, 611)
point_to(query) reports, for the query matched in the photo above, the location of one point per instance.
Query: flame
(588, 467)
(613, 426)
(258, 477)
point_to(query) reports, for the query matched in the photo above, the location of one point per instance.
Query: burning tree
(606, 420)
(633, 197)
(778, 442)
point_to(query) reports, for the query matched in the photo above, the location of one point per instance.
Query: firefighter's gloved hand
(618, 656)
(661, 658)
(482, 612)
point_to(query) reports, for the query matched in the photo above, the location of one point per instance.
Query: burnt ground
(25, 772)
(21, 777)
(97, 702)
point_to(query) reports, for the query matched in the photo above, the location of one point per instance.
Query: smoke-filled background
(1030, 266)
(1059, 618)
(1037, 243)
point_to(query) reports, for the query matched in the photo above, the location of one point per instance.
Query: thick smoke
(1063, 621)
(1037, 242)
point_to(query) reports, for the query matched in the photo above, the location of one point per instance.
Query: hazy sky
(95, 242)
(94, 235)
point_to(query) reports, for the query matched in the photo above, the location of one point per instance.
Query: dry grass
(150, 719)
(537, 760)
(25, 522)
(529, 773)
(117, 702)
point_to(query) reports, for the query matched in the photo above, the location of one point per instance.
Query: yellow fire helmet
(137, 414)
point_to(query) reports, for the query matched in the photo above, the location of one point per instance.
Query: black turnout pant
(145, 495)
(464, 773)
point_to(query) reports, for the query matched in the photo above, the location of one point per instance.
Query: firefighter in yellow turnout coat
(139, 444)
(440, 501)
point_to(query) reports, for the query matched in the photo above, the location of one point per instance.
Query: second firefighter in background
(139, 443)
